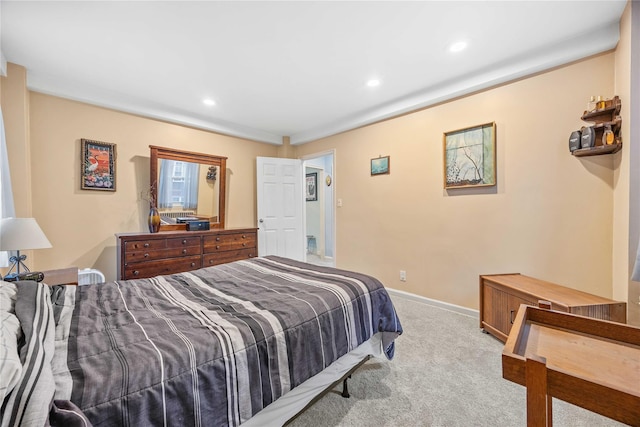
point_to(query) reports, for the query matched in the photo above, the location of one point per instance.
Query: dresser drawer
(151, 255)
(151, 244)
(227, 256)
(164, 266)
(228, 242)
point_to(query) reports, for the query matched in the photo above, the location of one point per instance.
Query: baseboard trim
(440, 304)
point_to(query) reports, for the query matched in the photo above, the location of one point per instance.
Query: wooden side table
(62, 276)
(591, 363)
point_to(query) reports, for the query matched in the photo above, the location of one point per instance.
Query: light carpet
(446, 372)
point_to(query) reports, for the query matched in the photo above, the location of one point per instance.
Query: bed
(219, 346)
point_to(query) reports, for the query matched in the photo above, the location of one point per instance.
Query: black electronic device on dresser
(197, 225)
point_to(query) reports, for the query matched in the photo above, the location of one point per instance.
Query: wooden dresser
(151, 254)
(502, 294)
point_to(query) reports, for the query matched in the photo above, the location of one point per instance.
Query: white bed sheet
(290, 404)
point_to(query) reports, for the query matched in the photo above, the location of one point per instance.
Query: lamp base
(17, 262)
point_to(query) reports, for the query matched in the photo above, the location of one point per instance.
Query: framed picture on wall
(312, 186)
(470, 157)
(380, 166)
(97, 165)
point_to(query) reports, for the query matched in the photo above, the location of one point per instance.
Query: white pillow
(10, 335)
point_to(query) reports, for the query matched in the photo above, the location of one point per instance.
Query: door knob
(261, 220)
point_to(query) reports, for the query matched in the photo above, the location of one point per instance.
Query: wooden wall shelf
(608, 116)
(598, 150)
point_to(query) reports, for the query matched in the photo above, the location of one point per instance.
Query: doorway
(319, 212)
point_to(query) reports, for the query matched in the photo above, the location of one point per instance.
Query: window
(178, 185)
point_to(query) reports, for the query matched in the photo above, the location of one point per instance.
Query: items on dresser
(146, 255)
(197, 225)
(502, 294)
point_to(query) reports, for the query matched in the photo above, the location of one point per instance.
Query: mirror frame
(192, 157)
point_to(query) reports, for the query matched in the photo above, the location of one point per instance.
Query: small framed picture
(98, 165)
(312, 186)
(380, 166)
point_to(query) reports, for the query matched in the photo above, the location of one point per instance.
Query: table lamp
(18, 234)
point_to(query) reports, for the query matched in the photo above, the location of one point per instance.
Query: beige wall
(550, 215)
(81, 223)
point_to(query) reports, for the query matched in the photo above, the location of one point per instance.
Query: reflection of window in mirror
(178, 185)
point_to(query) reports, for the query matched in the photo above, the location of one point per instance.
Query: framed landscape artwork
(98, 166)
(470, 157)
(380, 166)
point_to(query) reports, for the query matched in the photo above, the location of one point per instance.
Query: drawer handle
(511, 316)
(210, 261)
(217, 247)
(146, 255)
(250, 255)
(184, 242)
(244, 237)
(244, 244)
(217, 239)
(146, 245)
(184, 251)
(136, 272)
(193, 264)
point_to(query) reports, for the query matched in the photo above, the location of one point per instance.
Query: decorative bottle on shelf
(591, 105)
(154, 220)
(607, 136)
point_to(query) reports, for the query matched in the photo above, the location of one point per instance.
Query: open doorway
(320, 209)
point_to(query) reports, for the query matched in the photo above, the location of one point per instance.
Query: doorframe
(305, 158)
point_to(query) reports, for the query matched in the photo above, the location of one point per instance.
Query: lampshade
(17, 234)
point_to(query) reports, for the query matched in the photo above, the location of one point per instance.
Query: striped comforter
(208, 347)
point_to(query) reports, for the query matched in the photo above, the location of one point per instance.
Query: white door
(280, 204)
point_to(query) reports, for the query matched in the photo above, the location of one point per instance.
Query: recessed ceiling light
(209, 102)
(458, 46)
(373, 83)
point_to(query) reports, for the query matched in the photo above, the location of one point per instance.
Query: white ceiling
(295, 68)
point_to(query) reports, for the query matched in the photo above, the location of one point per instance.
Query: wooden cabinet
(502, 294)
(150, 254)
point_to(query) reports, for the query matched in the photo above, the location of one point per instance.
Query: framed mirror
(187, 185)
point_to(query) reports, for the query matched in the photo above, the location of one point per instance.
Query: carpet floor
(446, 372)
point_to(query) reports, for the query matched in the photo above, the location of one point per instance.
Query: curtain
(7, 208)
(164, 184)
(178, 183)
(191, 186)
(635, 276)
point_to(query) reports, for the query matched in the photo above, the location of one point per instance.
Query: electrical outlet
(403, 276)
